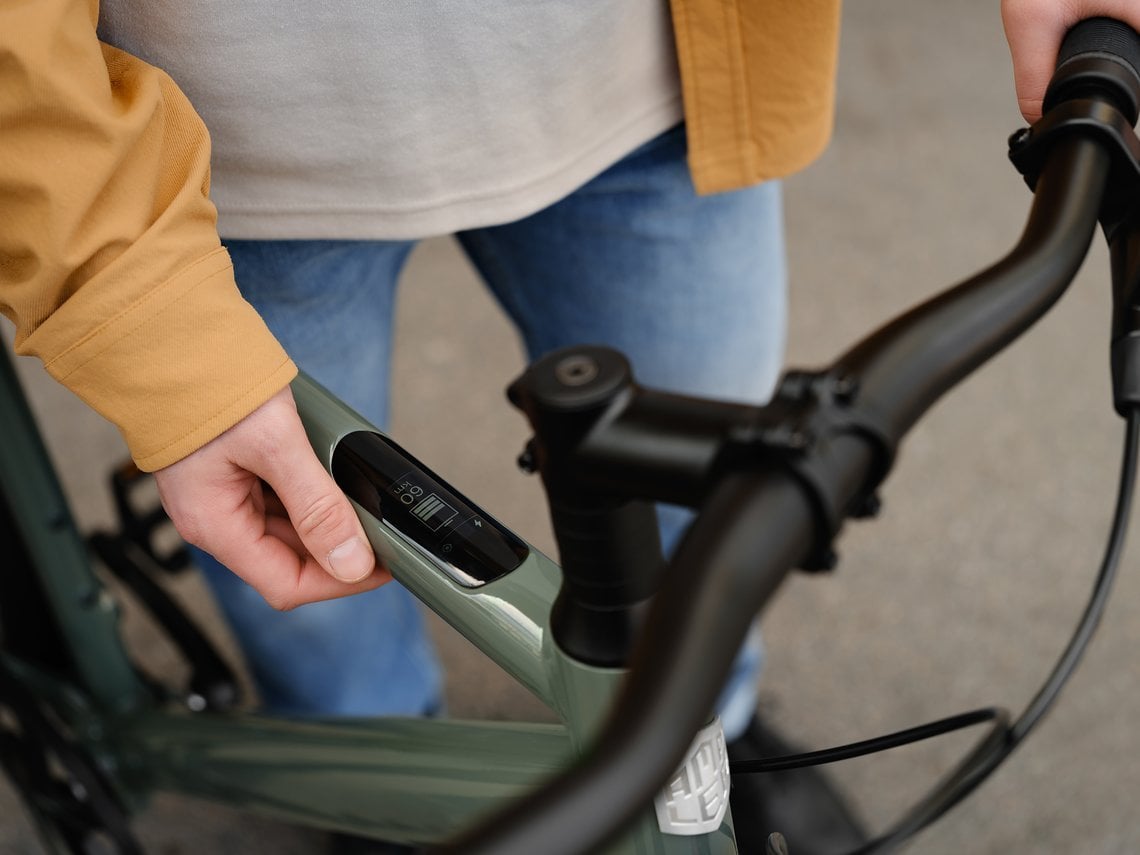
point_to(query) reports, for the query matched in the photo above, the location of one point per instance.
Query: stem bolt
(576, 370)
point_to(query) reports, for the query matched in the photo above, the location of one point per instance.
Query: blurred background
(965, 590)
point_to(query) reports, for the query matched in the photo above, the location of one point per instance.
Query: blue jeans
(691, 289)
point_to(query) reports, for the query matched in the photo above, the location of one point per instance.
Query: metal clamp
(1029, 148)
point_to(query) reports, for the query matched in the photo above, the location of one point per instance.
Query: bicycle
(149, 734)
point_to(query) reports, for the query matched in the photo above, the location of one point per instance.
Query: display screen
(392, 485)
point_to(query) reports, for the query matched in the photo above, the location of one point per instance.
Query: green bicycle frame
(404, 780)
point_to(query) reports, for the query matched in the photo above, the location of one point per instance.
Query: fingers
(321, 516)
(1035, 29)
(266, 552)
(217, 502)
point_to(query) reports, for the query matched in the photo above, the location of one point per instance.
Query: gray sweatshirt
(406, 118)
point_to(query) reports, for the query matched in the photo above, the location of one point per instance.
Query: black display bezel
(470, 546)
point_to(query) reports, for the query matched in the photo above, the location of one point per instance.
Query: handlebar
(910, 363)
(775, 483)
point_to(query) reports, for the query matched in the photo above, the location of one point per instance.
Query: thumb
(320, 515)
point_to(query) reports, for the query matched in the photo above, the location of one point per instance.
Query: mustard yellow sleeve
(110, 263)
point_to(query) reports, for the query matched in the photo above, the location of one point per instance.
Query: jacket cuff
(176, 368)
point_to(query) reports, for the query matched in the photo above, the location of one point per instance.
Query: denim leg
(692, 289)
(330, 304)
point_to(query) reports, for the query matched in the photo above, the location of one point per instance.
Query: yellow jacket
(110, 263)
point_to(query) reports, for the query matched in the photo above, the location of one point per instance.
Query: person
(1034, 30)
(324, 177)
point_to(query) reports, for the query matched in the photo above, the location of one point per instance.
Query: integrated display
(390, 484)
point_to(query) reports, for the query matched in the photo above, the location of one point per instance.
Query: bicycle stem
(755, 527)
(779, 480)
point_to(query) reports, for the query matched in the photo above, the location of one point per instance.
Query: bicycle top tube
(773, 484)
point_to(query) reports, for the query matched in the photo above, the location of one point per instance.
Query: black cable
(996, 749)
(1002, 738)
(1099, 600)
(999, 716)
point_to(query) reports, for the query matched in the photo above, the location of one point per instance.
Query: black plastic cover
(471, 547)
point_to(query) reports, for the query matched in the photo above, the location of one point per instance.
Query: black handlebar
(910, 363)
(776, 482)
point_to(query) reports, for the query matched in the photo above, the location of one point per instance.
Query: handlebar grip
(1099, 56)
(1102, 36)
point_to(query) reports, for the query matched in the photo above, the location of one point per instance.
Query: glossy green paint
(86, 612)
(582, 694)
(402, 780)
(507, 619)
(645, 839)
(396, 779)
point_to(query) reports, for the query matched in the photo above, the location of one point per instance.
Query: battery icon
(434, 512)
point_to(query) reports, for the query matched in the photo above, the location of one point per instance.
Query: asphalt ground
(961, 595)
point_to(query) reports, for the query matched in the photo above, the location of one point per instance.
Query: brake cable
(1002, 738)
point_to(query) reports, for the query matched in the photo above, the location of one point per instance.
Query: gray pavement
(962, 594)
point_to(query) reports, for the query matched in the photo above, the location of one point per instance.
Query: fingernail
(352, 561)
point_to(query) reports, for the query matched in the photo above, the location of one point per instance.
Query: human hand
(298, 543)
(1034, 30)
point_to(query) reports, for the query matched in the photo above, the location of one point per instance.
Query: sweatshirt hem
(493, 207)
